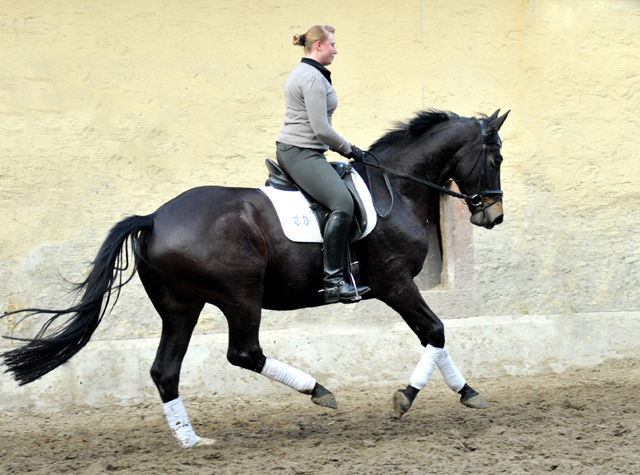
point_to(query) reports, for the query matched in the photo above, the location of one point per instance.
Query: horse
(225, 247)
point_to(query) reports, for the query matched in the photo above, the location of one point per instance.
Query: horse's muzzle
(488, 215)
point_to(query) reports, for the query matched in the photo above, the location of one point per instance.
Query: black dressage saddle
(279, 179)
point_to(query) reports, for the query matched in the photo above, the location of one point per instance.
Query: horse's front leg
(244, 351)
(430, 330)
(432, 357)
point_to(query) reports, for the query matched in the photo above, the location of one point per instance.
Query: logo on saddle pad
(298, 219)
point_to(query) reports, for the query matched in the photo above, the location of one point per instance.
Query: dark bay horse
(225, 247)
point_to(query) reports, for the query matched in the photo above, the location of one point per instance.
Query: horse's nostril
(499, 219)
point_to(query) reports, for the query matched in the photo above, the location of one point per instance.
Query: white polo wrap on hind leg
(431, 358)
(288, 375)
(179, 423)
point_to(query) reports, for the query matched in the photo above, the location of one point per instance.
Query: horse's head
(478, 172)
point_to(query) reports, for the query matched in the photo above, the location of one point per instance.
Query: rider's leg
(311, 171)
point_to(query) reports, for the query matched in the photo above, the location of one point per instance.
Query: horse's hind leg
(244, 351)
(165, 372)
(179, 317)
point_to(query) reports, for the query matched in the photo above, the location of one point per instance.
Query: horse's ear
(496, 122)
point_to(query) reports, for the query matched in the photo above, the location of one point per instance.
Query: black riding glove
(356, 154)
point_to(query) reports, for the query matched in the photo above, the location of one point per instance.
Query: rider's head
(313, 34)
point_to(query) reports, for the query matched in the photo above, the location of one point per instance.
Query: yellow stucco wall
(111, 108)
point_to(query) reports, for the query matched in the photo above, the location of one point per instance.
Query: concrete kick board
(117, 372)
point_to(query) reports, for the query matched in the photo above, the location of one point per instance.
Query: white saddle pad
(298, 221)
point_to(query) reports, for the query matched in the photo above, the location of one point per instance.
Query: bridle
(472, 200)
(482, 158)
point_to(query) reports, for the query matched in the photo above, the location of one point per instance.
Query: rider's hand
(356, 154)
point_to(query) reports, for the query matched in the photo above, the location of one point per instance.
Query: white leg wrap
(288, 375)
(179, 423)
(431, 357)
(424, 369)
(450, 373)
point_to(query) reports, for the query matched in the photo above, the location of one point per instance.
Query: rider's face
(326, 50)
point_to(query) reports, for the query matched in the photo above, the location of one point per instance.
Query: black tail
(46, 352)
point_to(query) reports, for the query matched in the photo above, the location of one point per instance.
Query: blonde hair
(313, 34)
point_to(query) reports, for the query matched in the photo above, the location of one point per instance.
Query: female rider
(306, 134)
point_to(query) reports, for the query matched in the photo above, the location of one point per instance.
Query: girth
(279, 179)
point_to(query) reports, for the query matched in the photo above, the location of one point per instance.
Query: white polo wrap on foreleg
(424, 369)
(431, 358)
(450, 373)
(179, 423)
(288, 375)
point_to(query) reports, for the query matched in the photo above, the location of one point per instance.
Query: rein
(473, 200)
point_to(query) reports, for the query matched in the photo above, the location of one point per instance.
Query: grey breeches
(311, 171)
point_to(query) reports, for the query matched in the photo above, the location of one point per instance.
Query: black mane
(423, 121)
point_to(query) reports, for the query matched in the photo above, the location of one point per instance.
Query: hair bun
(302, 39)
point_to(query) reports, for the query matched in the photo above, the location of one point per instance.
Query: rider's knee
(344, 206)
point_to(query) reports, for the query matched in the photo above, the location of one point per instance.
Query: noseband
(472, 200)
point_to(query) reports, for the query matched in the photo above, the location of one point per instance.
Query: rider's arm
(315, 99)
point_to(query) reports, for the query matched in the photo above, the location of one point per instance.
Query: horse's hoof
(204, 441)
(474, 402)
(401, 403)
(326, 400)
(323, 397)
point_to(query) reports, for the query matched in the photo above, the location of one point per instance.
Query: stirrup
(364, 289)
(333, 294)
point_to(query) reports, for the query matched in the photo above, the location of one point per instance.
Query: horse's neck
(433, 162)
(406, 197)
(429, 158)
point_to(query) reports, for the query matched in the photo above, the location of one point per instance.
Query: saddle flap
(359, 209)
(279, 179)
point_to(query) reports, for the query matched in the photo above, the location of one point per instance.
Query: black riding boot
(336, 235)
